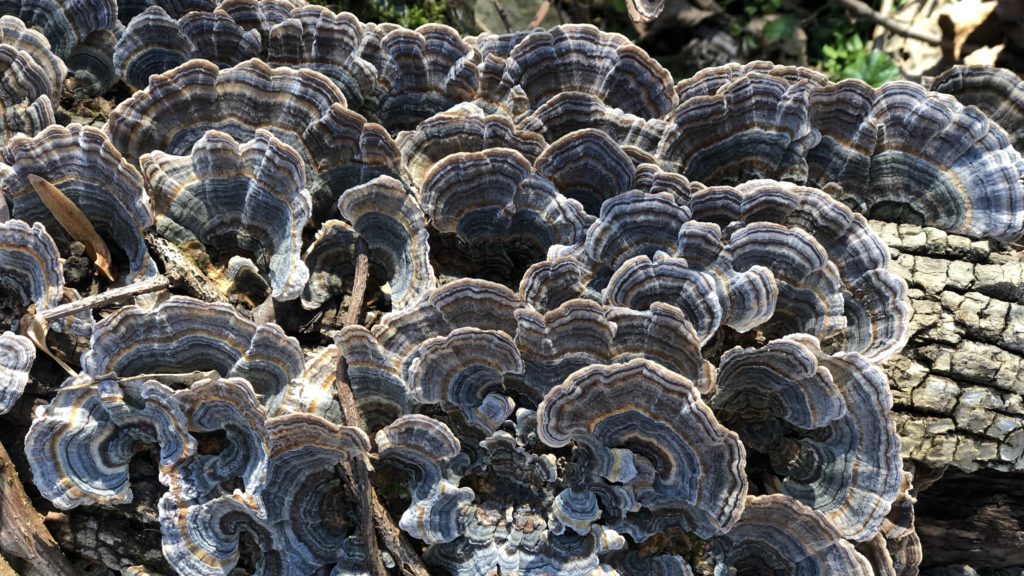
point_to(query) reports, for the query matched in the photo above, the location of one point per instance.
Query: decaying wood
(24, 540)
(181, 271)
(106, 298)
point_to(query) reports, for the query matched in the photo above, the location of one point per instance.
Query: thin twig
(502, 14)
(862, 10)
(374, 519)
(542, 13)
(355, 302)
(104, 298)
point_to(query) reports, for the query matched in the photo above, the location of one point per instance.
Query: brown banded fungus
(777, 534)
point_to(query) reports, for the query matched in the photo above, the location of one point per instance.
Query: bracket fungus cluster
(598, 322)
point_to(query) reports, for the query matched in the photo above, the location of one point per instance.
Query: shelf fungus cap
(582, 58)
(16, 356)
(30, 267)
(183, 334)
(904, 154)
(779, 534)
(824, 421)
(236, 100)
(14, 33)
(389, 218)
(464, 371)
(25, 104)
(657, 419)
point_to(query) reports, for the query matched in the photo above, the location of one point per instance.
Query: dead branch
(862, 10)
(22, 532)
(104, 298)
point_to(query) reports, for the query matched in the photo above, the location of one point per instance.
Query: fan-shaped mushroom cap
(237, 100)
(464, 128)
(65, 24)
(779, 534)
(81, 162)
(16, 356)
(682, 459)
(423, 72)
(997, 92)
(708, 81)
(765, 116)
(578, 58)
(260, 15)
(587, 166)
(331, 261)
(14, 33)
(183, 334)
(80, 446)
(24, 87)
(390, 220)
(154, 42)
(30, 268)
(464, 371)
(842, 459)
(247, 199)
(571, 111)
(314, 37)
(902, 152)
(582, 332)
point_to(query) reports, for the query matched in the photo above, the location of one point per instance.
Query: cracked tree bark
(958, 392)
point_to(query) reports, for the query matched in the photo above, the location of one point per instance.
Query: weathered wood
(181, 271)
(106, 298)
(24, 540)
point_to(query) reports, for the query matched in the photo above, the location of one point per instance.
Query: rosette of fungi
(300, 518)
(86, 168)
(260, 15)
(897, 152)
(302, 108)
(772, 257)
(143, 352)
(80, 32)
(824, 423)
(463, 128)
(314, 37)
(183, 335)
(644, 439)
(777, 534)
(248, 200)
(154, 42)
(25, 104)
(875, 309)
(385, 219)
(522, 71)
(497, 215)
(421, 72)
(997, 92)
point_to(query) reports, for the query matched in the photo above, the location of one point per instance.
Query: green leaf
(779, 29)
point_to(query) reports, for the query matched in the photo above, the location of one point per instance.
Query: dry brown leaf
(984, 56)
(33, 326)
(964, 18)
(75, 222)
